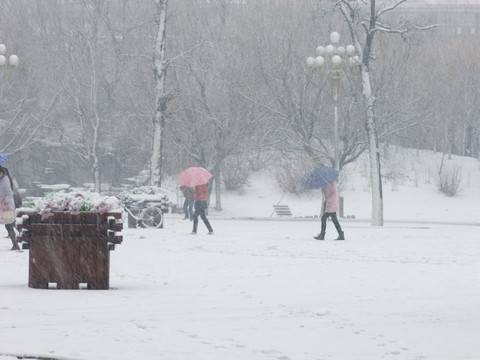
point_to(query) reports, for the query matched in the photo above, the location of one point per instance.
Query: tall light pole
(332, 57)
(12, 60)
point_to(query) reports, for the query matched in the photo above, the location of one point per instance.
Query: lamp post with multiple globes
(332, 57)
(12, 60)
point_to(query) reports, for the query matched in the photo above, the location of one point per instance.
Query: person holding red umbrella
(201, 198)
(197, 178)
(188, 202)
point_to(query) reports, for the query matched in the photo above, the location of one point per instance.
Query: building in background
(454, 17)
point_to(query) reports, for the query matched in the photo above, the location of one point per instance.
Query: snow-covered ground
(410, 191)
(263, 288)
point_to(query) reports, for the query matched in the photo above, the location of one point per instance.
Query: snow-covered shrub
(289, 172)
(75, 202)
(235, 173)
(449, 181)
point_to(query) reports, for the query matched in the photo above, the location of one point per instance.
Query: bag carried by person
(6, 216)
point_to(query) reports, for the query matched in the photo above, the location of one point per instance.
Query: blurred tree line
(79, 107)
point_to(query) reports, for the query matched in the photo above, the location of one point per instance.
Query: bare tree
(20, 120)
(369, 26)
(244, 70)
(161, 98)
(25, 108)
(301, 100)
(453, 90)
(213, 118)
(91, 78)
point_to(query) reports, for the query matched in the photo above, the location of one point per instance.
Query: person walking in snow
(188, 203)
(330, 194)
(201, 197)
(8, 203)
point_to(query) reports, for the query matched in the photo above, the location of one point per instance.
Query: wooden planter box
(68, 250)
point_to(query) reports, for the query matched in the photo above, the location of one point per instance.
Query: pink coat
(331, 196)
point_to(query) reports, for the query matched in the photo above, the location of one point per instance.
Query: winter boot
(341, 236)
(320, 236)
(13, 237)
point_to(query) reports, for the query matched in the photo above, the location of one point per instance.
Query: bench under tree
(282, 210)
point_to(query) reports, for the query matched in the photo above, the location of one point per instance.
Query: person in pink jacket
(330, 193)
(201, 198)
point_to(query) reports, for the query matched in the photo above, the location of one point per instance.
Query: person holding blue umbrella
(8, 203)
(325, 178)
(3, 158)
(330, 193)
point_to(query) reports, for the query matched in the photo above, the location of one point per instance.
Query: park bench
(282, 210)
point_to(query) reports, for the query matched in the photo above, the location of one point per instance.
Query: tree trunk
(218, 202)
(364, 53)
(374, 153)
(96, 176)
(159, 70)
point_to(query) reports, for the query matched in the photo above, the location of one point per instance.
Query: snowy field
(259, 290)
(263, 288)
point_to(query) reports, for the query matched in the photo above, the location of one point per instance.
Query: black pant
(10, 227)
(188, 208)
(200, 207)
(333, 216)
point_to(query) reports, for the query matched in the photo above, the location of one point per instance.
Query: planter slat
(68, 230)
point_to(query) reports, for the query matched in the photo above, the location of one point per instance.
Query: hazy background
(240, 95)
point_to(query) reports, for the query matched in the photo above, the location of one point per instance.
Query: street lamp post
(333, 57)
(12, 60)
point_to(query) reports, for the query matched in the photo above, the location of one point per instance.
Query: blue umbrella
(319, 178)
(3, 158)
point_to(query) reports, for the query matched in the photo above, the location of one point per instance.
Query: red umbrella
(194, 176)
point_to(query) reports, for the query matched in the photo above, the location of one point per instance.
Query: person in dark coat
(330, 193)
(201, 198)
(188, 203)
(6, 197)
